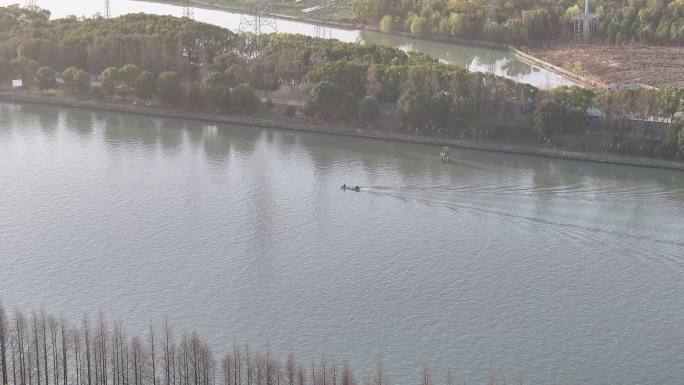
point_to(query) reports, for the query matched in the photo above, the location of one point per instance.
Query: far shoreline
(346, 130)
(524, 57)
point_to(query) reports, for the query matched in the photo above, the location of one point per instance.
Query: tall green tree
(81, 81)
(216, 91)
(548, 118)
(110, 79)
(24, 68)
(68, 77)
(168, 88)
(414, 108)
(461, 113)
(369, 109)
(327, 98)
(129, 74)
(244, 99)
(46, 77)
(76, 79)
(670, 99)
(5, 69)
(145, 85)
(386, 24)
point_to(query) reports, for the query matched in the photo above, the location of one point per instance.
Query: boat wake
(506, 203)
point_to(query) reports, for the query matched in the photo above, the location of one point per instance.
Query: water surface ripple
(559, 272)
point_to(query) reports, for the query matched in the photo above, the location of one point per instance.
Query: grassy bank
(303, 124)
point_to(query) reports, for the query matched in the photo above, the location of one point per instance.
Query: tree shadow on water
(80, 122)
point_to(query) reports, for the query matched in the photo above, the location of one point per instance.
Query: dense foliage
(206, 68)
(522, 21)
(76, 79)
(46, 78)
(155, 43)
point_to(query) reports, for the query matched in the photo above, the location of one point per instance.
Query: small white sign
(18, 83)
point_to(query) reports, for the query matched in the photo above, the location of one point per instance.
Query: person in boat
(344, 187)
(357, 189)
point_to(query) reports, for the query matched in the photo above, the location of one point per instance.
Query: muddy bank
(616, 65)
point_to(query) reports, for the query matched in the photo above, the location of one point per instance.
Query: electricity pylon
(187, 9)
(256, 21)
(32, 4)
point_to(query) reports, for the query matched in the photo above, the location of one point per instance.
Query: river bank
(525, 57)
(588, 65)
(322, 127)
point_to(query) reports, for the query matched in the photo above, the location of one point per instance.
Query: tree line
(214, 70)
(524, 22)
(38, 348)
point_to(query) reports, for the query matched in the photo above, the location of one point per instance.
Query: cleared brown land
(653, 66)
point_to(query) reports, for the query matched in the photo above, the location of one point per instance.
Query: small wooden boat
(444, 155)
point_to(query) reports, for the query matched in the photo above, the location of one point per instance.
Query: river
(474, 58)
(556, 271)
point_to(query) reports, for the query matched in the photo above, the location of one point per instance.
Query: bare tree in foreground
(45, 350)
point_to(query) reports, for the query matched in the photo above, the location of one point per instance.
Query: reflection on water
(122, 131)
(556, 271)
(81, 121)
(474, 58)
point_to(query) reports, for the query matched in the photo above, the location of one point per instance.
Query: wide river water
(556, 271)
(474, 58)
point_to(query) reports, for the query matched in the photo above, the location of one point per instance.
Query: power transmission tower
(585, 24)
(321, 30)
(107, 10)
(187, 9)
(32, 4)
(315, 13)
(256, 22)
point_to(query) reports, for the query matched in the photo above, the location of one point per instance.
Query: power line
(320, 29)
(324, 32)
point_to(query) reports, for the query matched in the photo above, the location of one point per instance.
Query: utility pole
(321, 30)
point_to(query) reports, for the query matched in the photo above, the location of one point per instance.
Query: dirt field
(653, 66)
